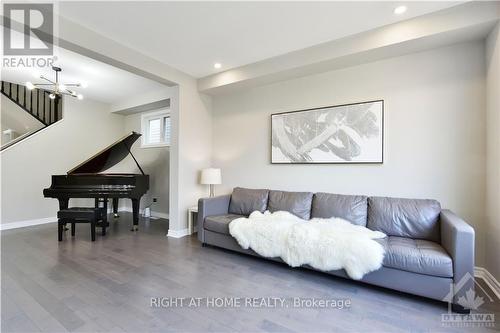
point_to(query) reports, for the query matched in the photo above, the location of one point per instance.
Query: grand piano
(86, 180)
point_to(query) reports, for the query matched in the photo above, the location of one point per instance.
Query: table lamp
(211, 177)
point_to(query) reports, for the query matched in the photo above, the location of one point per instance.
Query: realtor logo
(469, 300)
(28, 29)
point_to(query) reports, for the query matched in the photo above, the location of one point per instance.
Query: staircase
(36, 102)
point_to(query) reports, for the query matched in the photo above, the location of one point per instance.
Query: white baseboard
(27, 223)
(153, 213)
(178, 233)
(160, 215)
(489, 279)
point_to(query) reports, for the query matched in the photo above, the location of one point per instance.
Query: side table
(192, 216)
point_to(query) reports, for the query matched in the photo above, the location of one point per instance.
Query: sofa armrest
(457, 238)
(209, 207)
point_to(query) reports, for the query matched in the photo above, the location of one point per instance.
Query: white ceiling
(192, 36)
(106, 83)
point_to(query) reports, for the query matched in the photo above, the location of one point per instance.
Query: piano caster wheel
(135, 228)
(115, 215)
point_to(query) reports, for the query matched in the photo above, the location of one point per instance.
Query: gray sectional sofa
(428, 249)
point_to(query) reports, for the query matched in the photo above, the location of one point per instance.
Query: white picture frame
(340, 134)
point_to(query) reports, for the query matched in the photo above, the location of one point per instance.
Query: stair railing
(36, 102)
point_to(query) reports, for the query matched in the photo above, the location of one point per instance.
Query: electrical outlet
(155, 199)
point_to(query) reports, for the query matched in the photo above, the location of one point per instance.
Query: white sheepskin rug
(324, 244)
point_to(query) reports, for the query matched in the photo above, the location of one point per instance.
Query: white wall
(493, 153)
(434, 131)
(141, 99)
(154, 161)
(86, 128)
(12, 118)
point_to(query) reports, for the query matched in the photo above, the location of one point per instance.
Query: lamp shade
(211, 176)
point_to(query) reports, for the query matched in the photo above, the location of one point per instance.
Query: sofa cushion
(413, 218)
(353, 208)
(220, 223)
(297, 203)
(417, 256)
(245, 201)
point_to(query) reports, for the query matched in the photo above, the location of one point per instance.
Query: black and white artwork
(351, 133)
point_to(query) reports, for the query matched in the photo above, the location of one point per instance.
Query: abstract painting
(350, 133)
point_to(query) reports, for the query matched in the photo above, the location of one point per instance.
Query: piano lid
(108, 157)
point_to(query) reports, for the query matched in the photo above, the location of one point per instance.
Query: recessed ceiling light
(400, 10)
(217, 65)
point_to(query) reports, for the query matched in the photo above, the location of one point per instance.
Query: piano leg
(63, 204)
(103, 220)
(105, 217)
(115, 207)
(135, 213)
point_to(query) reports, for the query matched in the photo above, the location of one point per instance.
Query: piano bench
(79, 215)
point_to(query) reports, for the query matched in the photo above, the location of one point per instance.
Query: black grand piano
(87, 181)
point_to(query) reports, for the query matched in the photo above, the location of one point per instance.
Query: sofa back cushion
(413, 218)
(353, 208)
(297, 203)
(244, 201)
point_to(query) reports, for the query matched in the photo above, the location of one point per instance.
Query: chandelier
(55, 87)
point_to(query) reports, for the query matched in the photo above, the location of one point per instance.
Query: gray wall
(155, 162)
(13, 117)
(493, 147)
(434, 131)
(27, 167)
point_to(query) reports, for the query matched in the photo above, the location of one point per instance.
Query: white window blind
(166, 126)
(156, 129)
(154, 133)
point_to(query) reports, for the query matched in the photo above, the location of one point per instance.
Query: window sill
(156, 145)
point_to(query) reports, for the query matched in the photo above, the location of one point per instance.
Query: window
(156, 128)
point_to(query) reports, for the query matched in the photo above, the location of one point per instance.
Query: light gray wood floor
(106, 286)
